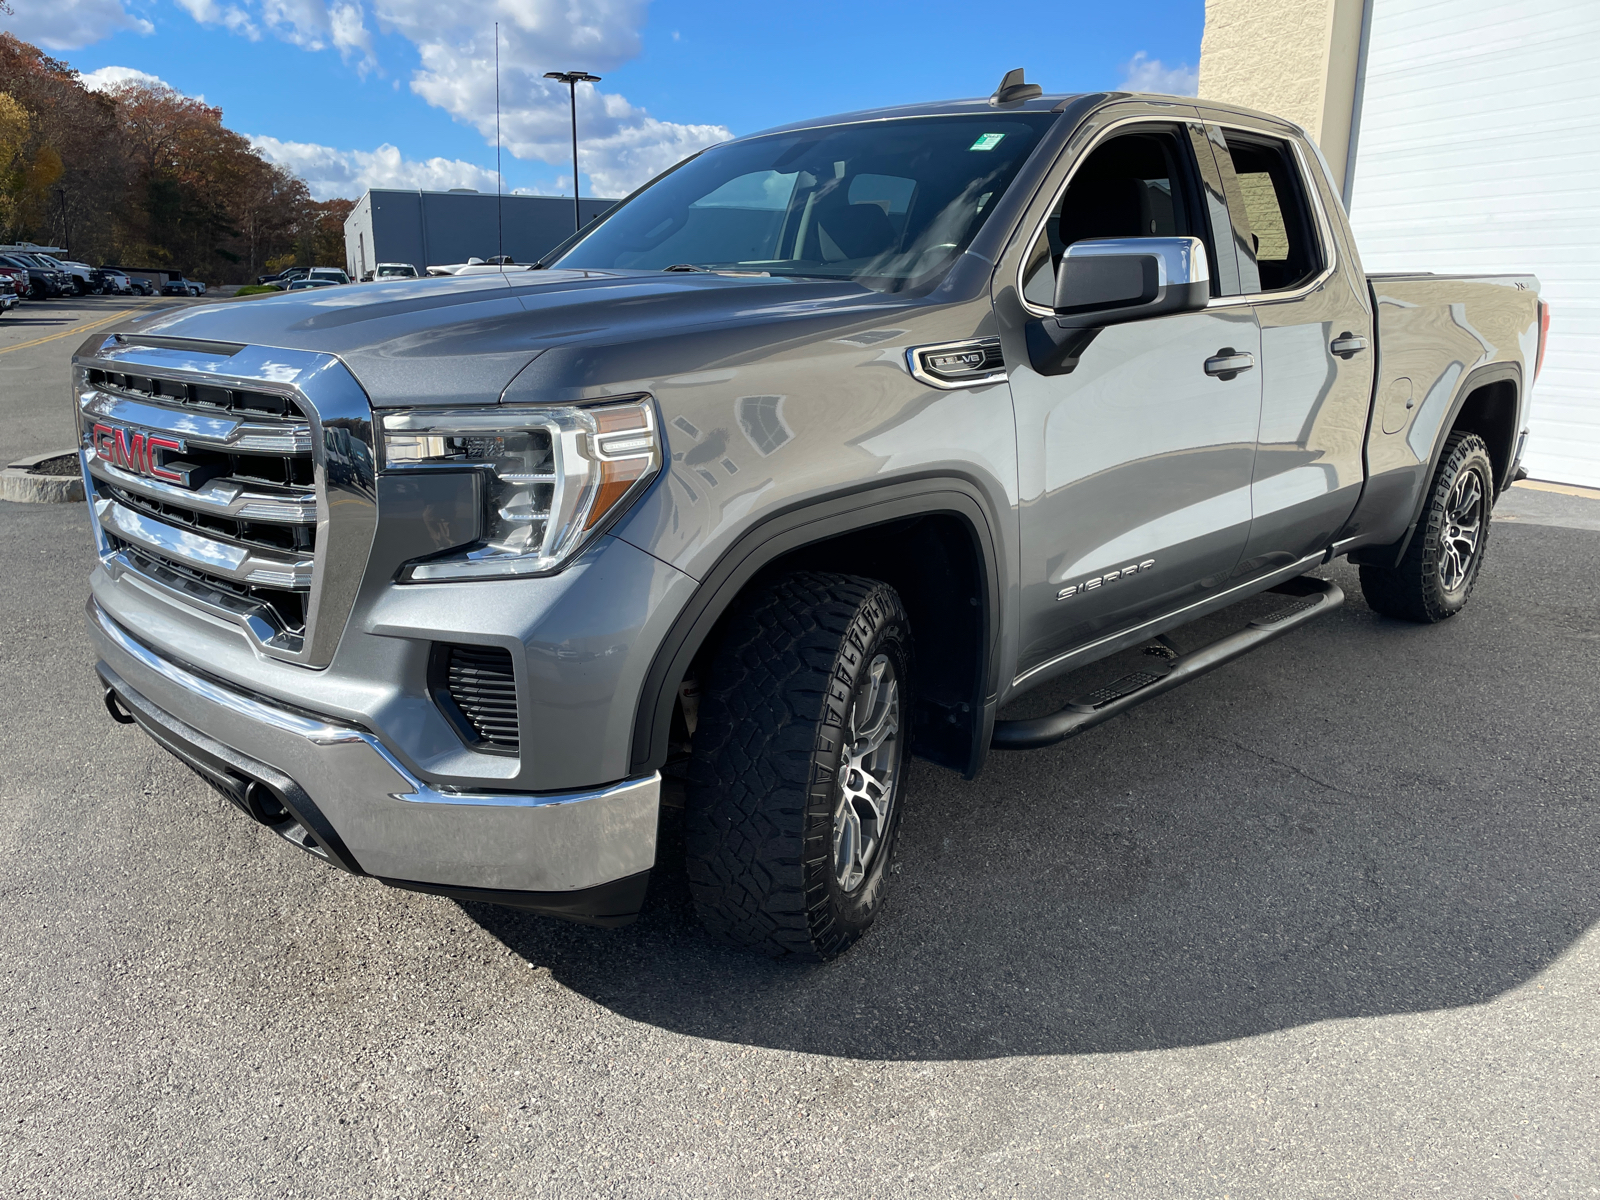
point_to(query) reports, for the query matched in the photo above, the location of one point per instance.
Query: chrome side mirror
(1107, 281)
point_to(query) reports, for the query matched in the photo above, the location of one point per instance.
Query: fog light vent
(478, 690)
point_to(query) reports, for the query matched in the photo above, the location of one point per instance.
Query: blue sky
(354, 93)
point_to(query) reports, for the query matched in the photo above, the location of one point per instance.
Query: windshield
(884, 202)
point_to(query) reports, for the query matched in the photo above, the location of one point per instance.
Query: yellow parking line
(121, 312)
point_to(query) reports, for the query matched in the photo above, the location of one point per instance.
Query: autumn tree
(139, 175)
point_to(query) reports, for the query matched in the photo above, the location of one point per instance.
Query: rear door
(1317, 348)
(1134, 462)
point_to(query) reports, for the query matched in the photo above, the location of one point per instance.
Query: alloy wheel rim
(1462, 534)
(866, 789)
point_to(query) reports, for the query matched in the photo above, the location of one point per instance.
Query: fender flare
(1500, 372)
(794, 529)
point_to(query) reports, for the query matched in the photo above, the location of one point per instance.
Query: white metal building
(1468, 136)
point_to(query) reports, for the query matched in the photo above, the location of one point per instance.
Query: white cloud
(106, 78)
(329, 172)
(1141, 73)
(621, 145)
(316, 25)
(71, 24)
(230, 17)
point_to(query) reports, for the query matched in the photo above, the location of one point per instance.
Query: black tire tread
(1410, 591)
(762, 715)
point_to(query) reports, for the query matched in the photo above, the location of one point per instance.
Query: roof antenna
(1013, 91)
(499, 179)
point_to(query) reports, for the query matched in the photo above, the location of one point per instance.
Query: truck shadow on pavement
(1372, 819)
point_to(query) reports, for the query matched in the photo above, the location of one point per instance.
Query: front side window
(1286, 249)
(1133, 185)
(889, 204)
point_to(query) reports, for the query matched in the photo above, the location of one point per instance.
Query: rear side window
(1276, 211)
(1133, 185)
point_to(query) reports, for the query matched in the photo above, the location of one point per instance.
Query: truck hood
(462, 339)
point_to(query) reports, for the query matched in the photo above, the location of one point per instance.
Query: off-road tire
(762, 790)
(1416, 589)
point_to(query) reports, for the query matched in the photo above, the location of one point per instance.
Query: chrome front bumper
(392, 824)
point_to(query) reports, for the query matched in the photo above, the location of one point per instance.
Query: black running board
(1309, 599)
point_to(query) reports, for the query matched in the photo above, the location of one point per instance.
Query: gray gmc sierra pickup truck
(808, 456)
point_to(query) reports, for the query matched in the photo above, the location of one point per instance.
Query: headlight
(553, 477)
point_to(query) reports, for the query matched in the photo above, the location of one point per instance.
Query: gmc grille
(242, 537)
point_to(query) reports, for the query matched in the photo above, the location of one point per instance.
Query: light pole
(572, 79)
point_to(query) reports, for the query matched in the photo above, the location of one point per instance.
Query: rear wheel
(1440, 566)
(799, 764)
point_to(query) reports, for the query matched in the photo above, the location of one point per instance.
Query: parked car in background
(305, 285)
(141, 285)
(43, 282)
(13, 282)
(283, 277)
(394, 271)
(117, 283)
(177, 285)
(331, 274)
(82, 278)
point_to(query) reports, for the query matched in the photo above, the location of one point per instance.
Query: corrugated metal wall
(438, 228)
(1479, 150)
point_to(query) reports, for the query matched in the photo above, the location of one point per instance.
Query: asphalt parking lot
(1321, 924)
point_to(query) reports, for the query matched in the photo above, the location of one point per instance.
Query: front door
(1135, 451)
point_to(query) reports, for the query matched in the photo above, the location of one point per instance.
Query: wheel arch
(1488, 407)
(913, 534)
(1488, 403)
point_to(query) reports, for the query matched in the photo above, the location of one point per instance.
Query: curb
(1563, 489)
(19, 484)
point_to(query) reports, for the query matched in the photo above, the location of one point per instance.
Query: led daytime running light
(553, 477)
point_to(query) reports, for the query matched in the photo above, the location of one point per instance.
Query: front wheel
(799, 764)
(1440, 566)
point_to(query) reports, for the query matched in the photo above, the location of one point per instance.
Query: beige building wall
(1292, 58)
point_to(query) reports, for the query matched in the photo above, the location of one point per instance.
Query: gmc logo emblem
(141, 453)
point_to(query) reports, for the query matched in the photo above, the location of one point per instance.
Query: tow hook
(114, 706)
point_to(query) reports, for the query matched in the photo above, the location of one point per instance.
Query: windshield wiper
(687, 267)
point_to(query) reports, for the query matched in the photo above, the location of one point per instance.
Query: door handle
(1348, 345)
(1228, 362)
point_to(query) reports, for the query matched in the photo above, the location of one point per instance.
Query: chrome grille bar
(225, 560)
(219, 498)
(222, 433)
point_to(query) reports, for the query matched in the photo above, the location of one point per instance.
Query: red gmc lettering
(104, 439)
(141, 453)
(130, 452)
(153, 445)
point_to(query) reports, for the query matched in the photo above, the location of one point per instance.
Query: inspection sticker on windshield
(987, 142)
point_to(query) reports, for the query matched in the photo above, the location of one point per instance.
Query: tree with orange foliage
(141, 176)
